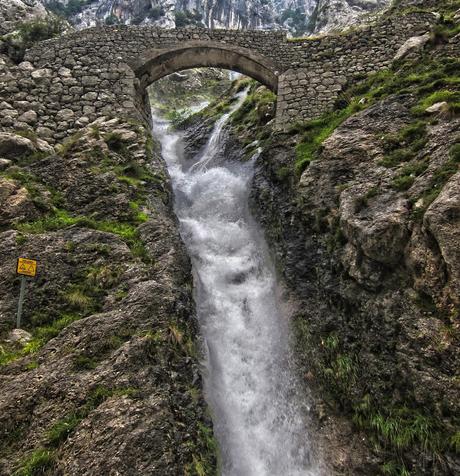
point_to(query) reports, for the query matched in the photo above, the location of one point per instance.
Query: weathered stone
(413, 44)
(19, 336)
(13, 145)
(30, 117)
(438, 107)
(4, 163)
(443, 220)
(65, 115)
(40, 74)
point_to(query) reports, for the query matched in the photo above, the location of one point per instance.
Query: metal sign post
(22, 293)
(25, 267)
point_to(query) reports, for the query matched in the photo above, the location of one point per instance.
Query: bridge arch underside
(159, 63)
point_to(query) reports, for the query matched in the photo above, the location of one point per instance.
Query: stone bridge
(105, 71)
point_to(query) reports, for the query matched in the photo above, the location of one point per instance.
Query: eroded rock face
(375, 283)
(442, 220)
(335, 15)
(112, 351)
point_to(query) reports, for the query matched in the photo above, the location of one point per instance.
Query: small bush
(402, 183)
(31, 32)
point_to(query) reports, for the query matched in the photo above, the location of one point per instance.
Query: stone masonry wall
(67, 82)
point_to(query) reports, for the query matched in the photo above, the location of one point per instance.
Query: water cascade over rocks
(259, 417)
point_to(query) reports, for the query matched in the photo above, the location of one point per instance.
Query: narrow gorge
(240, 275)
(259, 413)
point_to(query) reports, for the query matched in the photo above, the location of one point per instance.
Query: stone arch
(156, 63)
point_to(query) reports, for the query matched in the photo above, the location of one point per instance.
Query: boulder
(13, 145)
(30, 117)
(437, 107)
(413, 44)
(19, 336)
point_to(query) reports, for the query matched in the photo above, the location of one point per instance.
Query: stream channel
(250, 382)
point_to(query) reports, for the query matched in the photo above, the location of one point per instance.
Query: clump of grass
(138, 215)
(363, 201)
(60, 431)
(404, 145)
(40, 462)
(402, 183)
(70, 144)
(315, 132)
(103, 277)
(84, 362)
(204, 460)
(283, 174)
(79, 300)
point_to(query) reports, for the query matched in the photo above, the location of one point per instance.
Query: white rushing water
(253, 393)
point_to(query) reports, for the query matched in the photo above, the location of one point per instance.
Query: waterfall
(258, 413)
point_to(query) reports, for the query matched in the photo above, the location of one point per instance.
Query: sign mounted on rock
(26, 267)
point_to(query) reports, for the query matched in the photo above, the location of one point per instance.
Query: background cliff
(299, 17)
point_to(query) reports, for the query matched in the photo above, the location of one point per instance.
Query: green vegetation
(66, 10)
(41, 335)
(203, 462)
(59, 432)
(315, 132)
(31, 32)
(257, 109)
(185, 18)
(399, 428)
(439, 178)
(82, 297)
(40, 462)
(60, 219)
(90, 358)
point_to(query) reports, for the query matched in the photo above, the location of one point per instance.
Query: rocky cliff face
(104, 375)
(299, 17)
(336, 15)
(14, 11)
(368, 239)
(361, 209)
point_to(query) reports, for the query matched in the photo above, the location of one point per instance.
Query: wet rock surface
(376, 286)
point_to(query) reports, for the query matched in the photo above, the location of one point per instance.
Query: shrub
(403, 182)
(31, 32)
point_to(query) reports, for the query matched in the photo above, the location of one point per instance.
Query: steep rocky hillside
(104, 375)
(361, 208)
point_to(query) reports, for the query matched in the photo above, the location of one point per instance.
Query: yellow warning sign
(27, 267)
